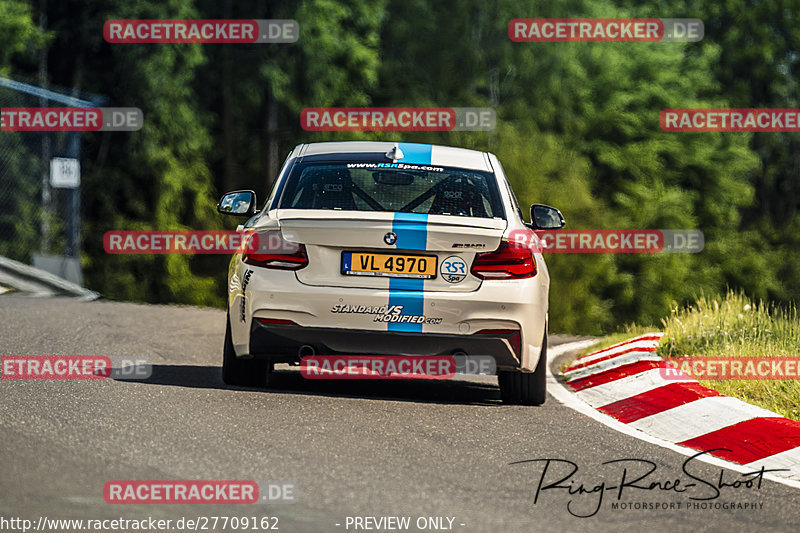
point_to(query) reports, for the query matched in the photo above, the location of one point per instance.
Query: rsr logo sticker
(454, 269)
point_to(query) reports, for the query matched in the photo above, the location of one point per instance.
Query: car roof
(413, 153)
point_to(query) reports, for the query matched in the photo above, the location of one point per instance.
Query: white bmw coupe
(380, 248)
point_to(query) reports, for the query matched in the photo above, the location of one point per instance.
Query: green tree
(579, 130)
(156, 178)
(20, 212)
(756, 67)
(256, 92)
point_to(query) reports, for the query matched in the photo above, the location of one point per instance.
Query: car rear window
(394, 187)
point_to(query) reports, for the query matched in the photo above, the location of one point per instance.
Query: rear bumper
(445, 322)
(280, 343)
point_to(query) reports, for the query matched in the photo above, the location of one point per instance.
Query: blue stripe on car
(412, 234)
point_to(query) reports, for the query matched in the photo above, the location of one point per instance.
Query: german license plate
(389, 265)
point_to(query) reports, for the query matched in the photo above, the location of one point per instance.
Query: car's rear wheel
(525, 388)
(242, 372)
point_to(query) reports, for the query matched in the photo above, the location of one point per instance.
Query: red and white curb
(622, 387)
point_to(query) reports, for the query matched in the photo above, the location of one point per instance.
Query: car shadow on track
(450, 391)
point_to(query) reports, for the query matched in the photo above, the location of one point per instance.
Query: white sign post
(65, 173)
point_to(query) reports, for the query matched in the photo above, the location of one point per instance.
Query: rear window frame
(498, 206)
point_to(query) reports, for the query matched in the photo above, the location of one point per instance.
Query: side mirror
(238, 203)
(546, 217)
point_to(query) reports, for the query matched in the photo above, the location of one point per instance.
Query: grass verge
(733, 326)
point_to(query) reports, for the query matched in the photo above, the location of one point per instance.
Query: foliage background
(577, 128)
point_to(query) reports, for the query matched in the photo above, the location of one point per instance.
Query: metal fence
(39, 223)
(32, 214)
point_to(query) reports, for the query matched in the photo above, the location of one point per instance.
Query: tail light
(511, 260)
(511, 335)
(271, 250)
(277, 322)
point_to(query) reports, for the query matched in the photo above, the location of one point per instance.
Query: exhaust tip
(306, 350)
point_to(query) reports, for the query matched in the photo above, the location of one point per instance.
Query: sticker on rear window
(396, 166)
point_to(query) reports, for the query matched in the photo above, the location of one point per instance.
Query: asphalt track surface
(353, 448)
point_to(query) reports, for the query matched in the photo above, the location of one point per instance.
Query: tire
(242, 372)
(525, 388)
